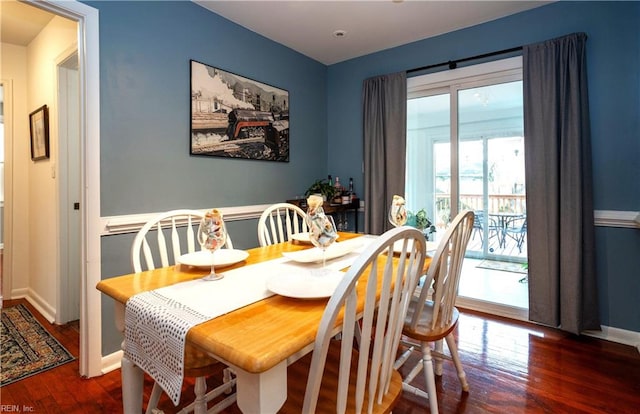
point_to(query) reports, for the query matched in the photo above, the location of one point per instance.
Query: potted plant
(321, 187)
(420, 221)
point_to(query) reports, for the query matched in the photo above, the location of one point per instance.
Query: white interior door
(69, 288)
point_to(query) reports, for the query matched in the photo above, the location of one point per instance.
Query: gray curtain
(562, 279)
(385, 135)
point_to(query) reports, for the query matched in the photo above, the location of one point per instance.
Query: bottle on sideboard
(352, 194)
(345, 198)
(337, 196)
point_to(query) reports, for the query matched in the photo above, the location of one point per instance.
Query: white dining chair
(278, 222)
(180, 227)
(339, 376)
(430, 320)
(146, 248)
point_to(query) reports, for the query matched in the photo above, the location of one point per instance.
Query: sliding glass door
(491, 167)
(465, 150)
(488, 151)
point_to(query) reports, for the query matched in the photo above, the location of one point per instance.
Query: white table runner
(157, 322)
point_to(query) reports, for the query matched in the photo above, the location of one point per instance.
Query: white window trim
(417, 85)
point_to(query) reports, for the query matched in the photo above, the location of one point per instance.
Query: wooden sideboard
(334, 209)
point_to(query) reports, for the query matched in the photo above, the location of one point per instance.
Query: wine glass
(322, 228)
(212, 235)
(322, 233)
(398, 212)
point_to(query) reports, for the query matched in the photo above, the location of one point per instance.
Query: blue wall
(145, 99)
(145, 110)
(613, 59)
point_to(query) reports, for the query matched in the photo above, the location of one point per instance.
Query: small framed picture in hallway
(39, 129)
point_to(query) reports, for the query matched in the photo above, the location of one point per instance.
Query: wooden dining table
(257, 341)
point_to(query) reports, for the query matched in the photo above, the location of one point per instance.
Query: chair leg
(429, 377)
(439, 350)
(226, 378)
(520, 241)
(202, 399)
(200, 389)
(453, 349)
(156, 392)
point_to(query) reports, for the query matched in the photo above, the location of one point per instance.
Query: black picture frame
(237, 117)
(39, 131)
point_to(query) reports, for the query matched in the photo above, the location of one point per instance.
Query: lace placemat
(157, 322)
(155, 331)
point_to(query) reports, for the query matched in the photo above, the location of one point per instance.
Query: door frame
(68, 191)
(87, 18)
(451, 82)
(7, 222)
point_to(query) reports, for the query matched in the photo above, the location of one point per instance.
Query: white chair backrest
(382, 319)
(279, 221)
(444, 272)
(171, 220)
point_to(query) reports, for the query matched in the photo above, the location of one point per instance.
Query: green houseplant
(321, 187)
(421, 221)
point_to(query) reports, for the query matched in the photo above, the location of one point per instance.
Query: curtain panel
(385, 135)
(562, 273)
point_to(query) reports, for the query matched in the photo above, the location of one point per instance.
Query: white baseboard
(111, 362)
(41, 305)
(45, 309)
(607, 333)
(617, 335)
(19, 293)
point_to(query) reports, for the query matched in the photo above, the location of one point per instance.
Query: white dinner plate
(315, 254)
(301, 237)
(306, 284)
(221, 258)
(431, 246)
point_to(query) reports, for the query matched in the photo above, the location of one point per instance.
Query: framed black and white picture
(237, 117)
(39, 131)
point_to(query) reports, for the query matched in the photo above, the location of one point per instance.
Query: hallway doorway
(84, 227)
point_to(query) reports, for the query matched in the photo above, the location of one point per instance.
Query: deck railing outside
(500, 203)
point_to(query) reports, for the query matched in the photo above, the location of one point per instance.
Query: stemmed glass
(212, 235)
(323, 237)
(322, 228)
(398, 212)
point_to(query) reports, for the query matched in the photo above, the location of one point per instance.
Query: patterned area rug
(503, 266)
(27, 348)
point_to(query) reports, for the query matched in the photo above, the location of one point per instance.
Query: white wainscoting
(617, 218)
(132, 223)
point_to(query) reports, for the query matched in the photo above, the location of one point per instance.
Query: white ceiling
(20, 23)
(307, 26)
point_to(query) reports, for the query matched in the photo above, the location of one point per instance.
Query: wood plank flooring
(512, 367)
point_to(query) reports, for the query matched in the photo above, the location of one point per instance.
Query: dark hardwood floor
(512, 367)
